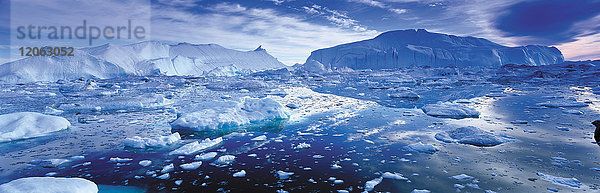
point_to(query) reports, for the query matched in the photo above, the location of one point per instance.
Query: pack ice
(49, 185)
(139, 59)
(227, 114)
(145, 142)
(470, 135)
(25, 125)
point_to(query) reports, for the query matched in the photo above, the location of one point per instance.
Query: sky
(290, 29)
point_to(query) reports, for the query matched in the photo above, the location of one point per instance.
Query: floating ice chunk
(168, 168)
(230, 114)
(370, 185)
(462, 177)
(23, 125)
(282, 191)
(260, 138)
(563, 103)
(423, 148)
(206, 156)
(240, 174)
(395, 176)
(191, 166)
(450, 110)
(567, 182)
(470, 135)
(119, 160)
(52, 111)
(343, 191)
(178, 182)
(284, 175)
(144, 142)
(164, 176)
(194, 147)
(50, 163)
(49, 185)
(420, 191)
(225, 160)
(145, 163)
(318, 156)
(338, 181)
(302, 146)
(573, 111)
(336, 166)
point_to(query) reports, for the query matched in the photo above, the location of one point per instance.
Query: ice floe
(423, 148)
(206, 156)
(145, 163)
(563, 103)
(191, 166)
(194, 147)
(49, 185)
(229, 114)
(470, 135)
(284, 175)
(23, 125)
(224, 160)
(145, 142)
(567, 182)
(240, 174)
(450, 110)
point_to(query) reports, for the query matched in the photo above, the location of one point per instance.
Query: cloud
(399, 11)
(287, 37)
(379, 4)
(548, 22)
(335, 17)
(180, 3)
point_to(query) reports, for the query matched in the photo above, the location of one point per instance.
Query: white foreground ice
(145, 142)
(195, 147)
(423, 148)
(230, 114)
(49, 185)
(25, 125)
(450, 110)
(470, 135)
(567, 182)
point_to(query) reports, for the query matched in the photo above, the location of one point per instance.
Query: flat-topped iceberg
(49, 185)
(221, 115)
(146, 142)
(25, 125)
(470, 135)
(195, 147)
(450, 110)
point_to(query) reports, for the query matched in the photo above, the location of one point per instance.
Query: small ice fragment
(145, 163)
(119, 160)
(240, 174)
(284, 175)
(370, 185)
(420, 191)
(225, 160)
(168, 168)
(260, 138)
(178, 182)
(302, 146)
(462, 177)
(423, 148)
(164, 176)
(191, 148)
(191, 166)
(206, 156)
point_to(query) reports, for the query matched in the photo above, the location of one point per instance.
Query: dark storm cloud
(548, 22)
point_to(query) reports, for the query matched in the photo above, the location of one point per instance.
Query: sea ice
(370, 185)
(450, 110)
(230, 114)
(206, 156)
(23, 125)
(470, 135)
(145, 163)
(119, 160)
(259, 138)
(462, 177)
(225, 160)
(284, 175)
(420, 191)
(405, 94)
(194, 147)
(240, 174)
(563, 103)
(301, 146)
(49, 185)
(423, 148)
(144, 142)
(191, 166)
(567, 182)
(168, 168)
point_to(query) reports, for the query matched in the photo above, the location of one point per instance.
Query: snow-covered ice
(23, 125)
(49, 185)
(421, 147)
(240, 174)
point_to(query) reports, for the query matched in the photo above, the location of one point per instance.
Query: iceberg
(470, 135)
(139, 59)
(194, 147)
(215, 116)
(224, 160)
(145, 142)
(24, 125)
(423, 148)
(450, 110)
(420, 48)
(49, 185)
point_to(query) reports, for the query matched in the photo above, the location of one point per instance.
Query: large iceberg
(470, 135)
(25, 125)
(420, 48)
(221, 115)
(49, 185)
(139, 59)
